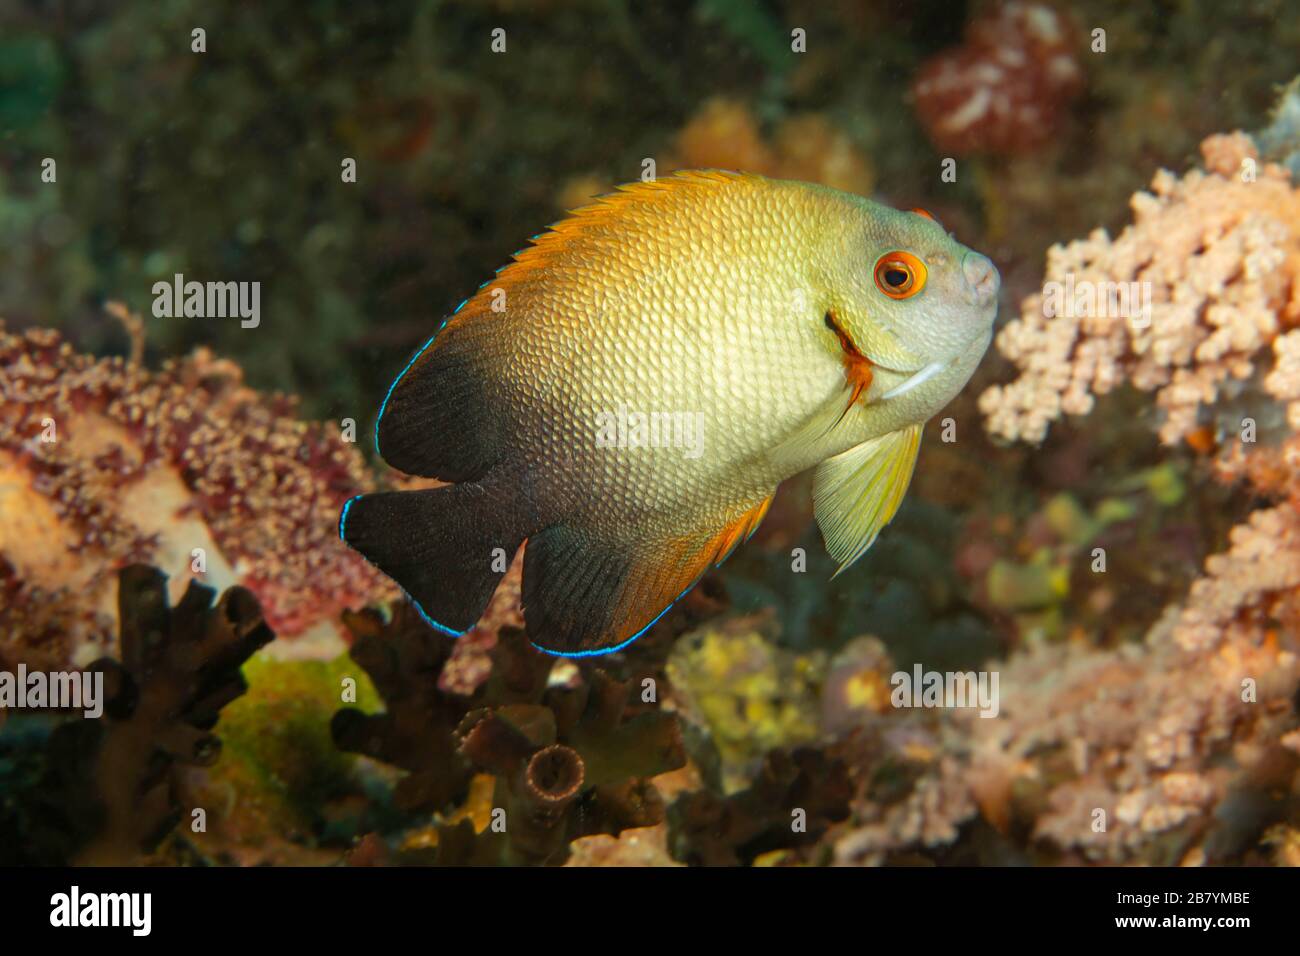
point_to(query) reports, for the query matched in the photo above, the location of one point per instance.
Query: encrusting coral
(742, 697)
(103, 461)
(1183, 732)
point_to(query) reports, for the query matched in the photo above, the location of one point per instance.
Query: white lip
(917, 378)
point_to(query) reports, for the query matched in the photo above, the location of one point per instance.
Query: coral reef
(104, 462)
(1179, 748)
(795, 798)
(644, 846)
(110, 789)
(1060, 571)
(1163, 753)
(743, 696)
(1184, 302)
(561, 752)
(1005, 89)
(281, 793)
(725, 133)
(1180, 745)
(1252, 588)
(1221, 252)
(1149, 693)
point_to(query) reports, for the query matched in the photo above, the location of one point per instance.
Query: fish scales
(730, 305)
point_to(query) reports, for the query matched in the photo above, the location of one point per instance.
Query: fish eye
(900, 275)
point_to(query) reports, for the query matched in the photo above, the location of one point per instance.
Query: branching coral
(1252, 588)
(110, 789)
(1215, 255)
(1165, 739)
(103, 461)
(403, 658)
(1180, 749)
(1161, 754)
(1221, 251)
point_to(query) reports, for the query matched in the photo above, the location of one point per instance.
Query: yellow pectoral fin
(856, 493)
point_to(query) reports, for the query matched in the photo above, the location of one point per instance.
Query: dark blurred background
(226, 164)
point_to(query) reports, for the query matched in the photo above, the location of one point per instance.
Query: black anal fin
(586, 595)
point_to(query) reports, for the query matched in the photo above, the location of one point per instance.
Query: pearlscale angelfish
(801, 326)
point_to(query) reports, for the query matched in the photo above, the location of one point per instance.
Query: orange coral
(725, 134)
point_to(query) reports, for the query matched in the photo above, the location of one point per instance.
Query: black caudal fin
(447, 547)
(438, 418)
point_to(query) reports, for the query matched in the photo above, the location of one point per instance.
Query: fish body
(629, 392)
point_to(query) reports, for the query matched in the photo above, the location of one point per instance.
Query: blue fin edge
(383, 406)
(442, 628)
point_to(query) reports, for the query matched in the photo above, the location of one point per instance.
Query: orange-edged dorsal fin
(587, 591)
(641, 192)
(607, 212)
(445, 392)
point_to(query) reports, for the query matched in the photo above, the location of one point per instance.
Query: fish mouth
(853, 355)
(916, 379)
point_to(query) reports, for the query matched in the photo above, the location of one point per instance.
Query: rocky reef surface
(1106, 523)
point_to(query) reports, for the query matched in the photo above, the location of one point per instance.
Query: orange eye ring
(926, 213)
(900, 275)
